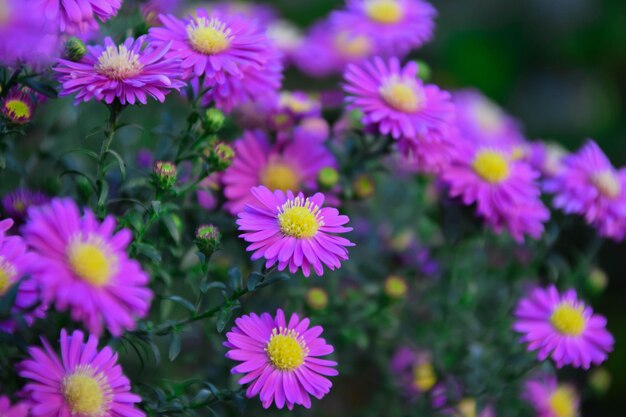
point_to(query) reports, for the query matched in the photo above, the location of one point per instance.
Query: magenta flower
(15, 264)
(394, 101)
(504, 190)
(562, 326)
(76, 17)
(16, 410)
(430, 153)
(589, 186)
(17, 107)
(215, 45)
(129, 72)
(263, 13)
(397, 26)
(83, 267)
(551, 399)
(280, 359)
(293, 166)
(82, 382)
(151, 9)
(413, 371)
(294, 231)
(17, 202)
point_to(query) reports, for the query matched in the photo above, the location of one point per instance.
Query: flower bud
(597, 280)
(75, 49)
(395, 287)
(317, 298)
(328, 177)
(164, 175)
(600, 380)
(467, 407)
(213, 120)
(423, 70)
(208, 239)
(222, 155)
(363, 186)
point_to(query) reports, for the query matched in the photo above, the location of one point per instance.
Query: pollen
(563, 402)
(118, 63)
(286, 350)
(607, 183)
(280, 176)
(208, 36)
(87, 394)
(353, 46)
(492, 166)
(91, 261)
(7, 272)
(402, 95)
(424, 376)
(568, 319)
(299, 218)
(17, 110)
(384, 11)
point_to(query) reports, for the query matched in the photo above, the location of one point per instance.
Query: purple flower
(504, 190)
(83, 381)
(551, 399)
(562, 326)
(588, 185)
(77, 16)
(83, 267)
(129, 72)
(294, 166)
(151, 9)
(394, 101)
(264, 14)
(294, 231)
(17, 202)
(397, 26)
(413, 371)
(17, 107)
(281, 359)
(15, 410)
(429, 153)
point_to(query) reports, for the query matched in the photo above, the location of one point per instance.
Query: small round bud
(165, 175)
(597, 280)
(423, 70)
(395, 287)
(314, 128)
(356, 119)
(75, 49)
(222, 155)
(363, 186)
(214, 120)
(317, 298)
(600, 380)
(208, 239)
(328, 177)
(467, 407)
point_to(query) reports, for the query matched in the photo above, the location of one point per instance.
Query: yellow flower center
(607, 183)
(353, 46)
(299, 218)
(488, 116)
(402, 95)
(563, 402)
(7, 273)
(17, 109)
(118, 63)
(568, 320)
(296, 103)
(492, 166)
(424, 376)
(384, 11)
(395, 286)
(91, 261)
(279, 176)
(87, 394)
(286, 350)
(467, 407)
(208, 36)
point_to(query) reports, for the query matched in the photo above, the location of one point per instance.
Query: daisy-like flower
(15, 264)
(397, 26)
(589, 185)
(82, 382)
(15, 410)
(394, 101)
(504, 190)
(77, 16)
(17, 202)
(215, 45)
(129, 72)
(281, 359)
(83, 267)
(561, 326)
(293, 231)
(263, 13)
(429, 153)
(17, 107)
(294, 166)
(551, 399)
(413, 370)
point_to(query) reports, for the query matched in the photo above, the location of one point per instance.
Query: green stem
(114, 111)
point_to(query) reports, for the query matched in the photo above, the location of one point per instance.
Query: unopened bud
(317, 298)
(600, 380)
(222, 155)
(395, 287)
(165, 175)
(208, 239)
(214, 120)
(328, 177)
(597, 280)
(363, 186)
(75, 49)
(423, 70)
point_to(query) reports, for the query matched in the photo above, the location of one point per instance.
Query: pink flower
(551, 399)
(16, 410)
(76, 17)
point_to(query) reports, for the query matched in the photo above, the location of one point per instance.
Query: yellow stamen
(299, 218)
(568, 319)
(118, 63)
(280, 176)
(17, 109)
(384, 11)
(286, 350)
(607, 183)
(7, 273)
(424, 376)
(402, 94)
(467, 407)
(353, 46)
(563, 402)
(490, 165)
(208, 36)
(87, 394)
(91, 261)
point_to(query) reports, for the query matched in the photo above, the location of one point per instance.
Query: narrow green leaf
(174, 349)
(181, 301)
(120, 162)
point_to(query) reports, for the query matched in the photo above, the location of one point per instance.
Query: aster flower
(293, 231)
(16, 410)
(17, 107)
(83, 381)
(281, 359)
(413, 371)
(561, 326)
(263, 13)
(589, 185)
(17, 202)
(429, 153)
(394, 101)
(546, 157)
(551, 399)
(77, 16)
(293, 166)
(83, 267)
(397, 26)
(15, 264)
(129, 72)
(151, 9)
(504, 190)
(286, 36)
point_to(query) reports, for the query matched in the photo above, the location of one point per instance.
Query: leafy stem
(102, 187)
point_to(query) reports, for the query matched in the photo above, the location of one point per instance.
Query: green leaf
(156, 206)
(206, 286)
(83, 151)
(104, 193)
(272, 279)
(120, 162)
(174, 349)
(149, 251)
(222, 319)
(254, 279)
(181, 301)
(170, 225)
(235, 280)
(80, 174)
